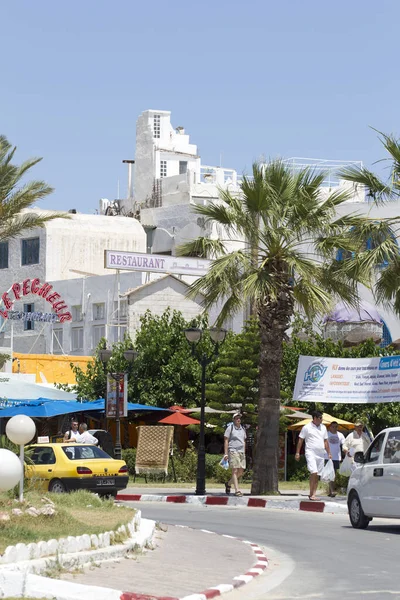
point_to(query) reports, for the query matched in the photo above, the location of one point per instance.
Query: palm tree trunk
(274, 320)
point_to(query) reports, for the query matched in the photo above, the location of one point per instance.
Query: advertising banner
(117, 387)
(348, 380)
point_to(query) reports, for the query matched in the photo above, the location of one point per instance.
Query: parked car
(71, 466)
(374, 486)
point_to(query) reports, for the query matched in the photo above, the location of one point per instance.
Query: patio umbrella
(179, 418)
(326, 420)
(15, 389)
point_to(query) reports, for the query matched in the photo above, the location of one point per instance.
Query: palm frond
(202, 247)
(16, 198)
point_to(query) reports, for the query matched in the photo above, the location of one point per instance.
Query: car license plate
(105, 481)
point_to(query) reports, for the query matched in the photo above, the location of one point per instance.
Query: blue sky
(246, 79)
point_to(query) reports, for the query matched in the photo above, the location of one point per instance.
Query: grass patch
(76, 513)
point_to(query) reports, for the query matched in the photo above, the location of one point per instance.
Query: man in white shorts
(316, 437)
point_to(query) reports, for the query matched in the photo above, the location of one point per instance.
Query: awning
(14, 389)
(56, 408)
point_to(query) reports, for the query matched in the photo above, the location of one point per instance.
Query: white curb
(22, 579)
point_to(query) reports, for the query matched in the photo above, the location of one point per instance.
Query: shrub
(296, 471)
(129, 456)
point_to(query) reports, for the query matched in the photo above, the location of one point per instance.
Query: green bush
(129, 456)
(186, 467)
(296, 471)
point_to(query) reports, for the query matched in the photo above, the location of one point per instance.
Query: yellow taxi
(72, 466)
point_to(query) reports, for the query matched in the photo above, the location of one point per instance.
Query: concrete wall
(78, 244)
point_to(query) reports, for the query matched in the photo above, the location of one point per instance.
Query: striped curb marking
(260, 565)
(304, 505)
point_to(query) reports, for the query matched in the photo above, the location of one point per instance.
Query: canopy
(15, 389)
(56, 408)
(326, 419)
(179, 418)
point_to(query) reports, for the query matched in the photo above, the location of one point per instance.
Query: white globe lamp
(11, 470)
(21, 430)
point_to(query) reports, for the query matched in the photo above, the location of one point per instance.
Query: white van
(374, 486)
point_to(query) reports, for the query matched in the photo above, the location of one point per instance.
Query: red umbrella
(180, 409)
(179, 419)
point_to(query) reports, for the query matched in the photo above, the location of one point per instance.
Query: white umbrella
(14, 389)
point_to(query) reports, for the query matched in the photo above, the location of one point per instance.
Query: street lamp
(105, 356)
(193, 336)
(20, 430)
(11, 470)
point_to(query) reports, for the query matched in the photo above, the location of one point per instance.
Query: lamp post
(105, 356)
(20, 430)
(193, 336)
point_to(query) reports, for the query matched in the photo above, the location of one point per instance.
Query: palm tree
(16, 197)
(387, 286)
(287, 236)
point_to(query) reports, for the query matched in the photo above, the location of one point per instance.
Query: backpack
(232, 425)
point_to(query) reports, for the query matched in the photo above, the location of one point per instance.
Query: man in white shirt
(356, 441)
(336, 440)
(316, 437)
(73, 433)
(85, 437)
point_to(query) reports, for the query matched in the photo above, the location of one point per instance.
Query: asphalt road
(311, 555)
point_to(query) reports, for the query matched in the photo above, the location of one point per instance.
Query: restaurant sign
(155, 263)
(44, 290)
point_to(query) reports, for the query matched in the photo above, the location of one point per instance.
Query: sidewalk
(183, 562)
(289, 500)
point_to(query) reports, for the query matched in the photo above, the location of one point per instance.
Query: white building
(165, 182)
(169, 179)
(64, 249)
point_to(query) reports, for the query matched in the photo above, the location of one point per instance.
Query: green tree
(236, 377)
(16, 197)
(164, 372)
(287, 237)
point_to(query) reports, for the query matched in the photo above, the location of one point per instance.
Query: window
(114, 333)
(75, 452)
(3, 255)
(99, 331)
(123, 309)
(391, 453)
(99, 311)
(43, 456)
(30, 251)
(57, 341)
(182, 167)
(386, 337)
(29, 325)
(374, 450)
(77, 313)
(77, 338)
(163, 168)
(157, 126)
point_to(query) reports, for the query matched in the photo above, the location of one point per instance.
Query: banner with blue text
(348, 380)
